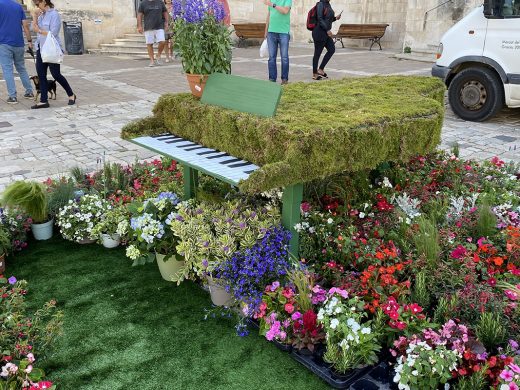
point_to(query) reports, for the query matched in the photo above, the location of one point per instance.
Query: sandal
(318, 77)
(324, 75)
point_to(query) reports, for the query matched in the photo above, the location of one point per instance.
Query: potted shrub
(5, 245)
(149, 237)
(210, 233)
(202, 39)
(32, 198)
(78, 218)
(113, 226)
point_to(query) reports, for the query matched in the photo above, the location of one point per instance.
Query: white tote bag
(51, 51)
(264, 50)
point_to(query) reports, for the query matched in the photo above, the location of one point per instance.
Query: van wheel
(476, 94)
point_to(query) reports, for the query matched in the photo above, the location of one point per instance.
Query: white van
(479, 60)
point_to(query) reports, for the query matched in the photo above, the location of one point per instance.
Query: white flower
(330, 220)
(386, 183)
(415, 372)
(365, 331)
(334, 323)
(361, 215)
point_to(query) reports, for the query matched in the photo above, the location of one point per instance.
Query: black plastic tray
(315, 363)
(378, 378)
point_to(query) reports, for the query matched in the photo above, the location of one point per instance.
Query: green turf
(126, 328)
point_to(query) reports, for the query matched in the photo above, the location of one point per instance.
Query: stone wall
(102, 20)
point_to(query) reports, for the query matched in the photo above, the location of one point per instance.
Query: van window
(506, 8)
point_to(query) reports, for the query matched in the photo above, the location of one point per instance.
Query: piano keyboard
(211, 161)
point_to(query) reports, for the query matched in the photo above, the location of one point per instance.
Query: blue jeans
(10, 55)
(273, 41)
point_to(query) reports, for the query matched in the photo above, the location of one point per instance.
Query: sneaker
(29, 95)
(158, 63)
(12, 100)
(151, 65)
(167, 60)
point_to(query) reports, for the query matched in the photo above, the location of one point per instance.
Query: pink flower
(497, 162)
(492, 282)
(513, 386)
(305, 207)
(515, 368)
(296, 316)
(289, 308)
(339, 291)
(30, 357)
(507, 375)
(458, 252)
(45, 384)
(282, 335)
(511, 295)
(287, 293)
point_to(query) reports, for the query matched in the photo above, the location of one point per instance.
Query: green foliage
(446, 309)
(421, 293)
(487, 221)
(113, 221)
(205, 47)
(455, 149)
(113, 178)
(303, 284)
(427, 241)
(490, 331)
(369, 120)
(5, 240)
(60, 192)
(30, 196)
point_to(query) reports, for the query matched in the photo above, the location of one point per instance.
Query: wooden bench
(249, 31)
(372, 32)
(242, 94)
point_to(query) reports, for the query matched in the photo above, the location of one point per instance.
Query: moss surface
(319, 129)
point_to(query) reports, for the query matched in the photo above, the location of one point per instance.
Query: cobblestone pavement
(112, 91)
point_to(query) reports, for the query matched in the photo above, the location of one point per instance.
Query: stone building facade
(415, 23)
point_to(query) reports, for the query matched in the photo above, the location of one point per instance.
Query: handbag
(51, 51)
(264, 50)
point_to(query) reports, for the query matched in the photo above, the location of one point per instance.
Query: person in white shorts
(156, 18)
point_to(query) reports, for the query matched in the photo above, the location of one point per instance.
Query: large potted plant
(150, 238)
(5, 245)
(210, 233)
(32, 198)
(202, 39)
(78, 218)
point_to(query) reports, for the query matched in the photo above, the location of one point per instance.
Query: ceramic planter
(219, 295)
(2, 263)
(42, 231)
(170, 268)
(111, 240)
(197, 83)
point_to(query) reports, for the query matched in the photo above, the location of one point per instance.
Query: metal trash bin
(73, 34)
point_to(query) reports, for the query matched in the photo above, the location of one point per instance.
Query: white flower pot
(111, 241)
(219, 295)
(170, 268)
(85, 241)
(42, 231)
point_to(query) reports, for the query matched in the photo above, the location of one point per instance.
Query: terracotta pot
(2, 263)
(219, 295)
(111, 240)
(42, 231)
(197, 83)
(169, 269)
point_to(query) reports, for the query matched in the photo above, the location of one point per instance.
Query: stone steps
(421, 55)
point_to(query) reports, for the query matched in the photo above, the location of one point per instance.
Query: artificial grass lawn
(127, 328)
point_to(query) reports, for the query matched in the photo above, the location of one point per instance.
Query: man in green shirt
(277, 28)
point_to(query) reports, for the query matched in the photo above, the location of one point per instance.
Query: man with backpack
(277, 28)
(319, 21)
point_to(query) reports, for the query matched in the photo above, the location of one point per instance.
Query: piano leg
(191, 181)
(291, 202)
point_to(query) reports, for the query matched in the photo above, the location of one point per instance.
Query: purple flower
(513, 344)
(12, 280)
(194, 11)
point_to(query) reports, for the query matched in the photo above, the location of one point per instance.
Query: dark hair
(47, 3)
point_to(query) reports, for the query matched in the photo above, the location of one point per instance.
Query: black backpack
(312, 17)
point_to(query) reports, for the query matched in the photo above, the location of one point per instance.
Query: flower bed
(336, 126)
(414, 264)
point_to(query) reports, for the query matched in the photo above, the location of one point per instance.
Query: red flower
(287, 293)
(289, 308)
(309, 320)
(459, 252)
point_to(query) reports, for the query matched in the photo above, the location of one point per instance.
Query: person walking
(12, 47)
(47, 20)
(168, 35)
(155, 16)
(322, 37)
(277, 33)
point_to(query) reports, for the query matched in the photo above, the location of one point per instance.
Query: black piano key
(218, 156)
(249, 172)
(167, 138)
(160, 135)
(187, 145)
(175, 141)
(242, 164)
(195, 148)
(208, 152)
(233, 160)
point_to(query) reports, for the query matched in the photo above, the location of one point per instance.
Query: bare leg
(150, 53)
(160, 49)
